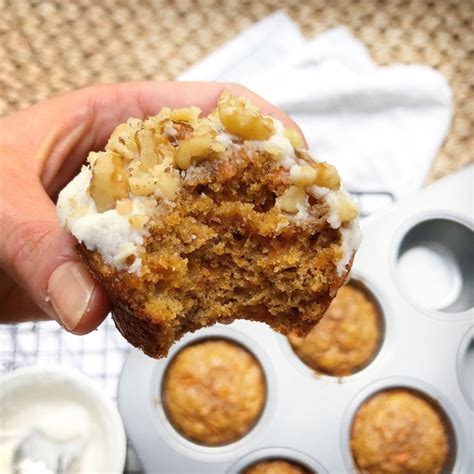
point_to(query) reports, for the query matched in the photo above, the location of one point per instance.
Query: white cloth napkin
(380, 126)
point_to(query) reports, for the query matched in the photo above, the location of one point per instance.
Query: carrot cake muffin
(214, 392)
(276, 466)
(190, 220)
(346, 339)
(398, 431)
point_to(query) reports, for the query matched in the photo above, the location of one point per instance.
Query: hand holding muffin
(42, 148)
(190, 219)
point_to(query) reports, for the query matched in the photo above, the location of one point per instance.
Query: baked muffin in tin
(276, 466)
(347, 337)
(214, 392)
(398, 431)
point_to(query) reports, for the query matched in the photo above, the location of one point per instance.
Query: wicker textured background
(48, 47)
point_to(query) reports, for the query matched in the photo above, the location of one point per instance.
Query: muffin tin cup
(443, 407)
(163, 423)
(267, 454)
(465, 367)
(446, 243)
(366, 286)
(307, 417)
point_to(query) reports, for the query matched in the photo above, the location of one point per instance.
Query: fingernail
(70, 288)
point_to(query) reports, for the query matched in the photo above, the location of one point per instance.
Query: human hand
(41, 149)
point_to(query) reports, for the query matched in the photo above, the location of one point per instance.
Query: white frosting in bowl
(62, 405)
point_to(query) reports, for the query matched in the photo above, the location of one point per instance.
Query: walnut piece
(347, 210)
(290, 199)
(327, 176)
(188, 114)
(304, 175)
(143, 184)
(109, 181)
(295, 138)
(241, 118)
(195, 147)
(124, 206)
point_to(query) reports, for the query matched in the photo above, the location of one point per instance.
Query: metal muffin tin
(308, 417)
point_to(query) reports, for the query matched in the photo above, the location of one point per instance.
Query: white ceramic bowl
(24, 391)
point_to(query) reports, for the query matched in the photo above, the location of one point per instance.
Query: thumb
(40, 256)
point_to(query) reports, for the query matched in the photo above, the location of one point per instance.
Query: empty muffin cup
(214, 391)
(434, 265)
(348, 337)
(400, 430)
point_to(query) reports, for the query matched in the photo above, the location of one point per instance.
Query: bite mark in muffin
(188, 220)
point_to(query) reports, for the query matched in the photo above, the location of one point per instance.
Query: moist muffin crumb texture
(214, 392)
(346, 339)
(189, 220)
(397, 431)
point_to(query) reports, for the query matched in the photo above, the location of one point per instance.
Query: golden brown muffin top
(214, 392)
(276, 466)
(346, 337)
(398, 431)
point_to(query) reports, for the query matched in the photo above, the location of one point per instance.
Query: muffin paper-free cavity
(308, 417)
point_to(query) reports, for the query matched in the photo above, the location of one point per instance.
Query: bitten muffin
(346, 339)
(276, 466)
(214, 392)
(190, 220)
(398, 431)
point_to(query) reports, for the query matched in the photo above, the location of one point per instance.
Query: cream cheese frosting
(109, 232)
(114, 232)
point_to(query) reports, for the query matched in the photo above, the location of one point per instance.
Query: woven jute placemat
(49, 47)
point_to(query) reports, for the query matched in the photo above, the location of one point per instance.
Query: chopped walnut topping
(327, 176)
(124, 206)
(347, 210)
(304, 175)
(196, 147)
(152, 157)
(291, 199)
(123, 142)
(109, 181)
(243, 119)
(295, 138)
(189, 115)
(143, 184)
